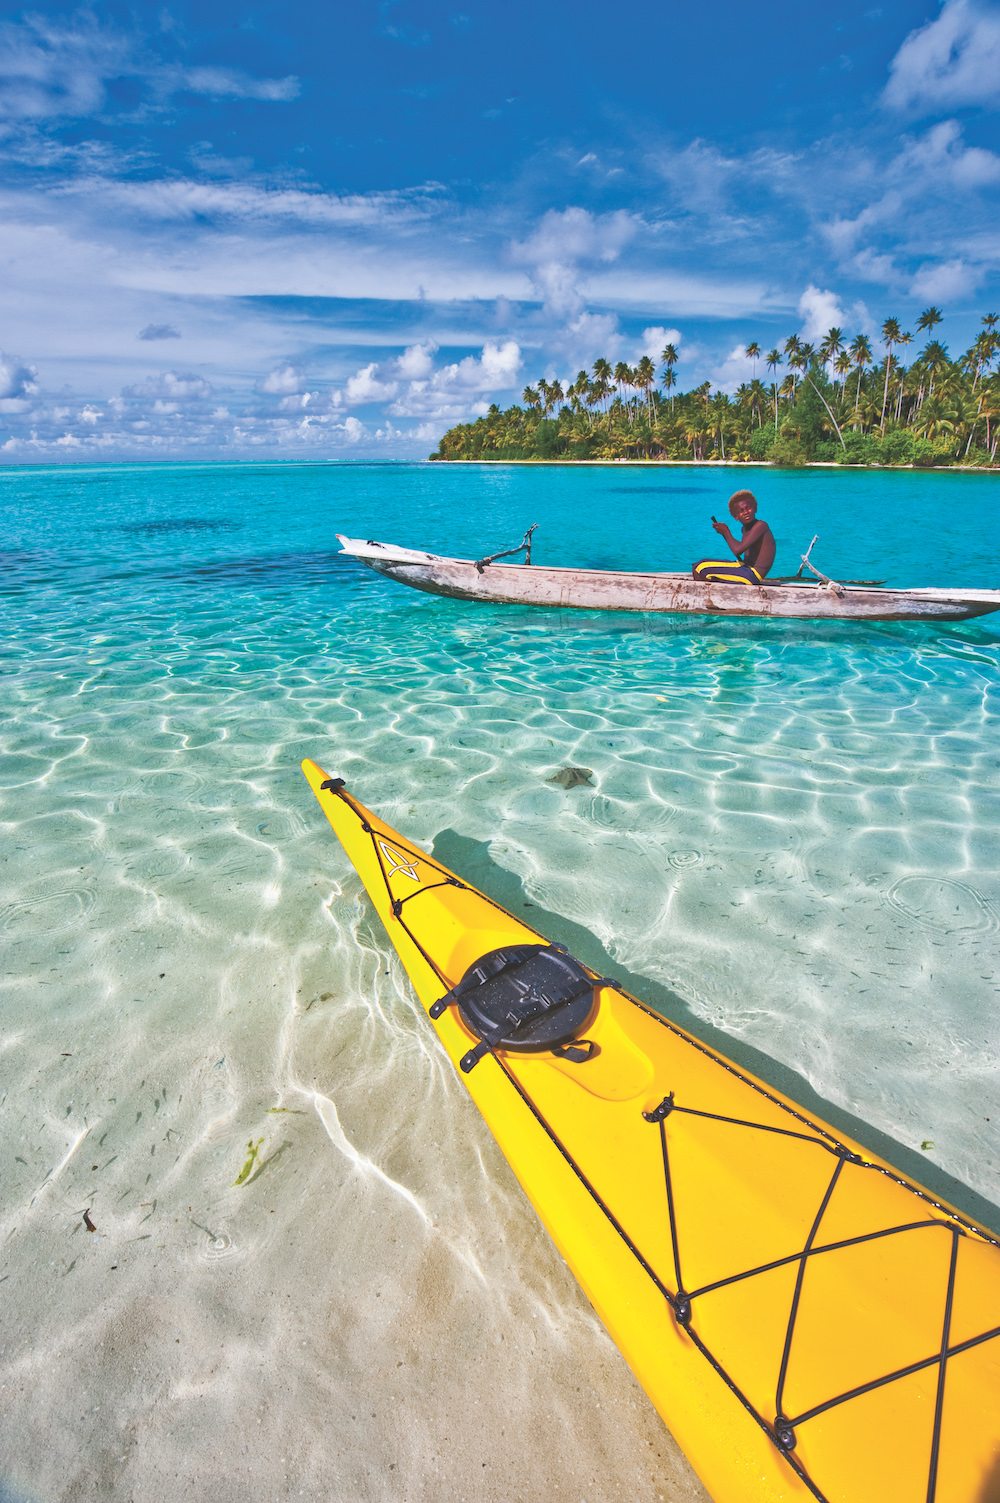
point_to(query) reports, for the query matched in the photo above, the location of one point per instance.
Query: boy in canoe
(756, 545)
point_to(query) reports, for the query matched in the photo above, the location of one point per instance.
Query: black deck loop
(784, 1434)
(397, 907)
(664, 1109)
(682, 1308)
(332, 785)
(470, 1061)
(578, 1052)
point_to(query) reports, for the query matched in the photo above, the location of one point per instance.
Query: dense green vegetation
(835, 402)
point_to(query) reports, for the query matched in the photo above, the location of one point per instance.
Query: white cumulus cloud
(366, 386)
(819, 311)
(451, 391)
(655, 339)
(416, 361)
(168, 386)
(284, 380)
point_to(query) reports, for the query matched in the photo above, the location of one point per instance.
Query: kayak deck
(809, 1323)
(599, 589)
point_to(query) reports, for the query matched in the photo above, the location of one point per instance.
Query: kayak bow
(809, 1323)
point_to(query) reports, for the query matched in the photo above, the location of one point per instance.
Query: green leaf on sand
(247, 1169)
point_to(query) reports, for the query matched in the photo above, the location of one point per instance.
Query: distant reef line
(835, 404)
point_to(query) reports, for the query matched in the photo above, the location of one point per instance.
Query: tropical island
(834, 403)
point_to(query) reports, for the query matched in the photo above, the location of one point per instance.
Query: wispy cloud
(562, 245)
(231, 83)
(52, 68)
(159, 331)
(18, 383)
(192, 201)
(953, 61)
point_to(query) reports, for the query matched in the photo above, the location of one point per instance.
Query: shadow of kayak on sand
(471, 860)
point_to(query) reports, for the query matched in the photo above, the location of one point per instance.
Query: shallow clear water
(791, 838)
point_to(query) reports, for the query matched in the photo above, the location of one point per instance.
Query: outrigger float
(821, 598)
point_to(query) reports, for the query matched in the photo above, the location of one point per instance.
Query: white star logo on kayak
(398, 863)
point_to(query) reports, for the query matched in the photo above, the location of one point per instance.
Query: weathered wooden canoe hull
(597, 589)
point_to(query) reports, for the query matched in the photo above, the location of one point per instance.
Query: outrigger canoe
(810, 1323)
(612, 590)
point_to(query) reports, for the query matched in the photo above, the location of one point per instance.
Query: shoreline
(741, 464)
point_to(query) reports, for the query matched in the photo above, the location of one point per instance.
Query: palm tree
(753, 353)
(669, 358)
(861, 354)
(934, 419)
(904, 339)
(890, 335)
(832, 345)
(623, 378)
(720, 404)
(928, 319)
(964, 421)
(772, 361)
(804, 358)
(934, 359)
(791, 349)
(602, 381)
(578, 392)
(551, 395)
(797, 361)
(530, 397)
(842, 365)
(645, 377)
(990, 409)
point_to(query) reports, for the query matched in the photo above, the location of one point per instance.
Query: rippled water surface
(791, 831)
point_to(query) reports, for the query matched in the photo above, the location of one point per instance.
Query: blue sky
(334, 229)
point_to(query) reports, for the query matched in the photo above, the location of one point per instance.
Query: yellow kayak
(809, 1323)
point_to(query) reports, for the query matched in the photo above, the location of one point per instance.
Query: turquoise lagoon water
(791, 843)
